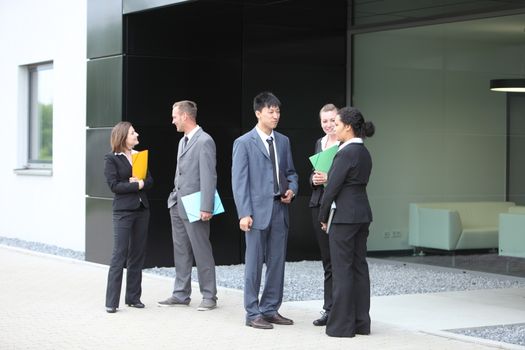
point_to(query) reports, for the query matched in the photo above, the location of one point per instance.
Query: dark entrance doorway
(220, 54)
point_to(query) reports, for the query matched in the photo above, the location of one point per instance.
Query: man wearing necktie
(195, 173)
(264, 182)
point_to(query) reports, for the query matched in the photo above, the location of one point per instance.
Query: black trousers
(351, 281)
(129, 249)
(324, 247)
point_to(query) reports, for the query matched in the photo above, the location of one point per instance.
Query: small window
(40, 113)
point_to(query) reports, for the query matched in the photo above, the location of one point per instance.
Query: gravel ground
(509, 333)
(303, 281)
(42, 248)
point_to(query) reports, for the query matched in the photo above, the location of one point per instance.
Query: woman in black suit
(348, 232)
(130, 218)
(317, 181)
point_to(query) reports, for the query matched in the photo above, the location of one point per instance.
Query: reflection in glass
(41, 114)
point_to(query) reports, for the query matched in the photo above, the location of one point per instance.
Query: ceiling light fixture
(508, 85)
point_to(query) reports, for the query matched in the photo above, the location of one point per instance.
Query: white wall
(48, 209)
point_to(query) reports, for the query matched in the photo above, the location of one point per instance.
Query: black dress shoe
(137, 304)
(321, 321)
(259, 323)
(111, 310)
(278, 319)
(362, 331)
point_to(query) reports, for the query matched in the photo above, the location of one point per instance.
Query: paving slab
(49, 302)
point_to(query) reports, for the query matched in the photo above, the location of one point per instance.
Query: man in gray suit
(264, 183)
(195, 172)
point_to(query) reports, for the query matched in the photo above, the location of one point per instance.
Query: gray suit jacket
(195, 172)
(252, 176)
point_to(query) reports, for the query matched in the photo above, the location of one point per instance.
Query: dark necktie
(184, 143)
(272, 158)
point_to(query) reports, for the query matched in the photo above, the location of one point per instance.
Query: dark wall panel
(104, 92)
(296, 49)
(302, 90)
(99, 230)
(302, 244)
(195, 30)
(160, 247)
(97, 144)
(219, 54)
(185, 52)
(225, 236)
(218, 100)
(103, 110)
(154, 84)
(104, 28)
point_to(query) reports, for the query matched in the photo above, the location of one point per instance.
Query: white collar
(191, 133)
(263, 135)
(352, 140)
(124, 154)
(324, 141)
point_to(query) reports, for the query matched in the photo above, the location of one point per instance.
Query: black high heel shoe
(111, 310)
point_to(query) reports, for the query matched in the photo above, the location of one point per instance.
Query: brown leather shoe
(278, 319)
(259, 323)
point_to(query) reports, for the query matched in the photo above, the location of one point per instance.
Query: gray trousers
(265, 246)
(192, 240)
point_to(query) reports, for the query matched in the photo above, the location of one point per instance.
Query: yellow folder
(139, 165)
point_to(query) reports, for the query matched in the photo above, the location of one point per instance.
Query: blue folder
(192, 205)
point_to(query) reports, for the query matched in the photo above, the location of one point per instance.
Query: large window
(40, 112)
(441, 134)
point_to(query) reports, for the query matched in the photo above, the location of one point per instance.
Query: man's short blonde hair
(188, 107)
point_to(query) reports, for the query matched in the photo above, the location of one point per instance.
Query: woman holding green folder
(317, 181)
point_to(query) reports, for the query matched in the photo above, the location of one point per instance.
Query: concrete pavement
(49, 302)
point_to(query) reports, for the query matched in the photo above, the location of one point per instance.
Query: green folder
(322, 161)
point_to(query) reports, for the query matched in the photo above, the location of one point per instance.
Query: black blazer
(347, 180)
(317, 191)
(127, 194)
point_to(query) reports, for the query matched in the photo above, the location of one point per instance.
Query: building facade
(420, 70)
(43, 97)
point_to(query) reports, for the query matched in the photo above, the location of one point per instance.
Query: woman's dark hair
(353, 117)
(265, 99)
